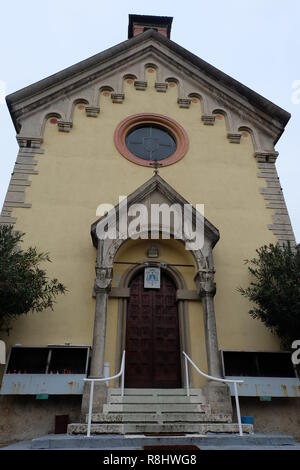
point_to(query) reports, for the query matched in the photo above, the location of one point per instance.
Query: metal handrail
(104, 379)
(217, 379)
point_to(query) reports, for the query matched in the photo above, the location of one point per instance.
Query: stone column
(102, 287)
(206, 288)
(217, 393)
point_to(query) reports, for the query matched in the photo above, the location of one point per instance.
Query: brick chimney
(140, 23)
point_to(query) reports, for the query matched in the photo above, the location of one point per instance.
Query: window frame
(164, 122)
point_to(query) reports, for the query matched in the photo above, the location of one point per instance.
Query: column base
(100, 398)
(218, 396)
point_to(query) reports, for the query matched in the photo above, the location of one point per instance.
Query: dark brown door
(152, 336)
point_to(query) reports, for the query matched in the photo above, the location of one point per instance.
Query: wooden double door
(152, 336)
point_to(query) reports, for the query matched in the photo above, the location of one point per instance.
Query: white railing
(217, 379)
(104, 379)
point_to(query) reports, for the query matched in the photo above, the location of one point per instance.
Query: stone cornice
(85, 72)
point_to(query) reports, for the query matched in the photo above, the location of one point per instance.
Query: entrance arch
(152, 335)
(152, 191)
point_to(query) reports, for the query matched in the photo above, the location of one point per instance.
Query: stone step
(210, 441)
(156, 407)
(155, 391)
(159, 418)
(139, 399)
(169, 428)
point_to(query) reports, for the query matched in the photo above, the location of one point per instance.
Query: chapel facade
(148, 122)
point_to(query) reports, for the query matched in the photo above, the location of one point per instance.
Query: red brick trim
(180, 135)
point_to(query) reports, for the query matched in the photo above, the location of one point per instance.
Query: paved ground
(136, 442)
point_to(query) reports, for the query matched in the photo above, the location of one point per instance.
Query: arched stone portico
(156, 189)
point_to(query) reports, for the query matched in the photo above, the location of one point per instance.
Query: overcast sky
(255, 41)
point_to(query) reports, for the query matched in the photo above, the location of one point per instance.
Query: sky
(257, 42)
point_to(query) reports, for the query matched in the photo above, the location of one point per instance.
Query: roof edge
(253, 98)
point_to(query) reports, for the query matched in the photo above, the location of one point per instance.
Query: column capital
(103, 279)
(204, 280)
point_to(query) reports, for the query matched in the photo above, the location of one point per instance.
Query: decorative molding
(64, 126)
(29, 142)
(103, 279)
(81, 81)
(30, 152)
(161, 87)
(204, 280)
(266, 157)
(24, 166)
(92, 111)
(7, 220)
(184, 102)
(273, 195)
(234, 138)
(117, 97)
(208, 119)
(140, 85)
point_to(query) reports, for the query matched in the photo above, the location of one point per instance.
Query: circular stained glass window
(150, 142)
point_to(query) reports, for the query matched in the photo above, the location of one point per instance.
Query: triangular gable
(156, 190)
(217, 91)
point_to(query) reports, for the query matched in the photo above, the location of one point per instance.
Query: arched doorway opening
(152, 335)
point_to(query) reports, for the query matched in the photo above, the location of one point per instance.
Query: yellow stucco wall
(81, 169)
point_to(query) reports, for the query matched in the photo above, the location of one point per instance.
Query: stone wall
(23, 418)
(279, 416)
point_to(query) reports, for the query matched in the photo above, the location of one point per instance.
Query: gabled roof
(48, 87)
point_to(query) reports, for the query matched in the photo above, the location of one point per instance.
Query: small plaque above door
(152, 278)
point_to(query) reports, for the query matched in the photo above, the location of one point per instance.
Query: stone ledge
(92, 111)
(64, 126)
(29, 143)
(161, 87)
(159, 418)
(208, 119)
(140, 85)
(138, 428)
(234, 138)
(266, 157)
(7, 220)
(184, 102)
(117, 97)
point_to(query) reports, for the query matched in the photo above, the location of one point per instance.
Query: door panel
(152, 336)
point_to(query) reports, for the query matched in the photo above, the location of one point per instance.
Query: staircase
(157, 411)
